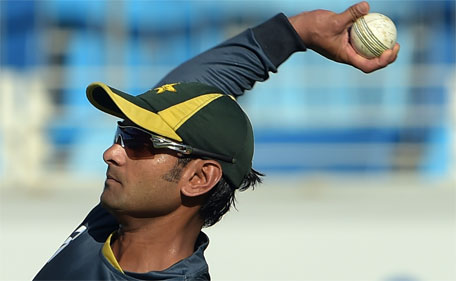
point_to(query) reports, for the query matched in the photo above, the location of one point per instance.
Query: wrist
(278, 39)
(303, 27)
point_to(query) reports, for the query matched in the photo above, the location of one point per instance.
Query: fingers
(354, 12)
(390, 56)
(396, 49)
(370, 65)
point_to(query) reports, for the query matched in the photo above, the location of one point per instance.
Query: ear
(200, 176)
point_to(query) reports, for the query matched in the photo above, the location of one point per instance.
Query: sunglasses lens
(141, 144)
(137, 144)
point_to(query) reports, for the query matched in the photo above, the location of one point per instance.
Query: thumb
(354, 12)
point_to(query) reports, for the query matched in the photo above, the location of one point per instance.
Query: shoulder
(100, 223)
(79, 256)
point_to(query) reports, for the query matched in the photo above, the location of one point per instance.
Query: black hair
(223, 195)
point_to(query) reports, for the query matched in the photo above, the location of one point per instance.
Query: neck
(154, 244)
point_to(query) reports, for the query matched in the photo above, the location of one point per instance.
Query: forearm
(235, 65)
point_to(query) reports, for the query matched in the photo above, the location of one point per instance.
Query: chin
(108, 200)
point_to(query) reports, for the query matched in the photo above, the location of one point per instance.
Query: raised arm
(235, 65)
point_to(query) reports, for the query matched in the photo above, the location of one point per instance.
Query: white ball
(373, 34)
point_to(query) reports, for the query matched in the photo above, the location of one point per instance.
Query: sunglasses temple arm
(196, 151)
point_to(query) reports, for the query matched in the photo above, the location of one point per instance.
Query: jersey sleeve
(236, 64)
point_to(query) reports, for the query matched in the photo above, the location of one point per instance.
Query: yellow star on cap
(167, 87)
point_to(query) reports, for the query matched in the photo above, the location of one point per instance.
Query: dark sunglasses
(141, 143)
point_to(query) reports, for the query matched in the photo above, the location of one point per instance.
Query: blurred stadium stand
(315, 117)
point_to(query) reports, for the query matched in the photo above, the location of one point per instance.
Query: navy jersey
(81, 256)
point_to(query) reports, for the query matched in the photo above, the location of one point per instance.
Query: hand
(327, 33)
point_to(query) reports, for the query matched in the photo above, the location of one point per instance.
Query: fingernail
(363, 7)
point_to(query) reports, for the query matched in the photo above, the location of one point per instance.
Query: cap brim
(125, 106)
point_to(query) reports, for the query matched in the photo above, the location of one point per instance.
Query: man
(183, 148)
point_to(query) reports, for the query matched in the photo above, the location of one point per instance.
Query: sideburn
(174, 174)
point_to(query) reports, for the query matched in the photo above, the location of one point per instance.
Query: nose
(115, 155)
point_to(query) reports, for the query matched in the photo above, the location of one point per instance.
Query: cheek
(152, 199)
(149, 194)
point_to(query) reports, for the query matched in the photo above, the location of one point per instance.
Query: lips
(109, 176)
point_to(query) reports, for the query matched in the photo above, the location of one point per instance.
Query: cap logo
(167, 87)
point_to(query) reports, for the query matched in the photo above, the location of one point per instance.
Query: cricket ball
(373, 34)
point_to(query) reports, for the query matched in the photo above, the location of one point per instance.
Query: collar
(109, 255)
(194, 265)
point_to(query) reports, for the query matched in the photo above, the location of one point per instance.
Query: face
(140, 187)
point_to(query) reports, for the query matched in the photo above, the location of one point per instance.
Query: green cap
(193, 113)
